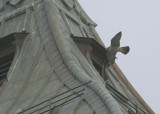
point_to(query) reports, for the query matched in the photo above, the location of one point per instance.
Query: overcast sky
(139, 21)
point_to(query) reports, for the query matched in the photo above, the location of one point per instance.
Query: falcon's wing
(123, 50)
(116, 40)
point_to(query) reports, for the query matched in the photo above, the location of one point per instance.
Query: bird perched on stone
(115, 47)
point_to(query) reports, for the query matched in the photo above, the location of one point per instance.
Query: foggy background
(139, 21)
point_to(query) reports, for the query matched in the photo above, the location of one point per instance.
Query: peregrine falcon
(115, 47)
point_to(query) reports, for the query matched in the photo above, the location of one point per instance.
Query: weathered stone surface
(49, 62)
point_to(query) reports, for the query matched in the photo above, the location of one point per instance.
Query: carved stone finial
(14, 2)
(69, 4)
(79, 12)
(2, 4)
(73, 4)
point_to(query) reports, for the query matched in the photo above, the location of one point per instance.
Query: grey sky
(139, 21)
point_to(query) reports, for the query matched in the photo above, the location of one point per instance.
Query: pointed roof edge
(132, 89)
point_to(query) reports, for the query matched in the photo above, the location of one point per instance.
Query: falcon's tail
(124, 50)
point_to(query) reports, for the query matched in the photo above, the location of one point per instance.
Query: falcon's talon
(108, 49)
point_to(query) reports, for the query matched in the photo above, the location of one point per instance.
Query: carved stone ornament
(68, 3)
(14, 2)
(73, 4)
(77, 8)
(79, 12)
(2, 4)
